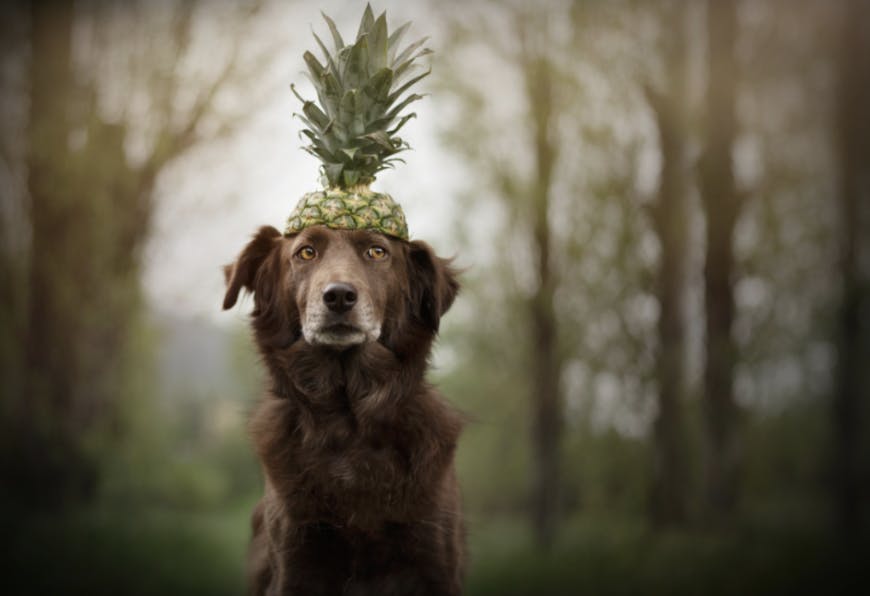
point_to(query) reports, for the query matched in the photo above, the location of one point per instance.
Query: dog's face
(340, 288)
(343, 284)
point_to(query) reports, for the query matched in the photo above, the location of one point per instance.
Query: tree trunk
(546, 372)
(90, 213)
(86, 229)
(851, 390)
(48, 453)
(668, 498)
(721, 204)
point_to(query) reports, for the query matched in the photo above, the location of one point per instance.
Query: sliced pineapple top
(340, 209)
(361, 89)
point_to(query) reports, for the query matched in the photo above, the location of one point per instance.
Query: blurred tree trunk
(722, 204)
(520, 177)
(47, 454)
(852, 391)
(90, 213)
(87, 223)
(546, 370)
(670, 215)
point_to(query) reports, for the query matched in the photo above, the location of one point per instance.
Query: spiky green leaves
(360, 90)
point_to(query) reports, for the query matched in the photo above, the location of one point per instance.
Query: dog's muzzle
(342, 318)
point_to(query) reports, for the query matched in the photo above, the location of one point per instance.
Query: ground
(781, 549)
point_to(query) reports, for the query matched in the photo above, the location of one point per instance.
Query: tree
(671, 215)
(526, 195)
(546, 367)
(90, 206)
(852, 133)
(550, 162)
(721, 203)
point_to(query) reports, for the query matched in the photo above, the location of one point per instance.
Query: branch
(171, 141)
(656, 99)
(181, 36)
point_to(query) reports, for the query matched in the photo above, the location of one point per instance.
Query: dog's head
(339, 288)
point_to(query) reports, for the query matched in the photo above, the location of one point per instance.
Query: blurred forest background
(664, 337)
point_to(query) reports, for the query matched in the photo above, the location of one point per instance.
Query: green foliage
(89, 201)
(782, 548)
(607, 555)
(134, 551)
(488, 381)
(790, 451)
(605, 471)
(353, 126)
(181, 449)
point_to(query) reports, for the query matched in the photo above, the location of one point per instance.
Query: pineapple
(353, 126)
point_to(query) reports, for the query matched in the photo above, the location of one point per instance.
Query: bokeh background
(663, 212)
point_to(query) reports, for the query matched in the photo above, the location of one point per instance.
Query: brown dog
(361, 495)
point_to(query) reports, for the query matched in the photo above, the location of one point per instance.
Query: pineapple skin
(349, 209)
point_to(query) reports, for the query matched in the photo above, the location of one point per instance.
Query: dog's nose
(339, 297)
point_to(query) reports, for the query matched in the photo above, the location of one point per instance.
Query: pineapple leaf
(407, 52)
(336, 36)
(393, 41)
(340, 132)
(318, 152)
(408, 100)
(350, 152)
(401, 123)
(388, 163)
(362, 89)
(351, 177)
(381, 123)
(328, 100)
(365, 24)
(329, 94)
(296, 93)
(329, 61)
(320, 142)
(378, 44)
(316, 115)
(407, 64)
(398, 92)
(315, 142)
(311, 126)
(378, 87)
(346, 109)
(314, 66)
(333, 171)
(356, 67)
(359, 120)
(382, 139)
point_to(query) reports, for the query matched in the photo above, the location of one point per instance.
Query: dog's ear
(243, 272)
(433, 283)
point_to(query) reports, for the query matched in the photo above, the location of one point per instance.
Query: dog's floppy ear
(242, 273)
(433, 283)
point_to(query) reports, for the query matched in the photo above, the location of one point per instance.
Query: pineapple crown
(353, 126)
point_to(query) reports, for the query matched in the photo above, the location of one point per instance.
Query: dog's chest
(338, 460)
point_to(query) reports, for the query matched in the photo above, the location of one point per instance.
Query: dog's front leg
(259, 565)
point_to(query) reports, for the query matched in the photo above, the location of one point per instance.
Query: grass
(165, 552)
(148, 552)
(764, 553)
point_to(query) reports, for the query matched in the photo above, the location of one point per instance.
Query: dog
(357, 449)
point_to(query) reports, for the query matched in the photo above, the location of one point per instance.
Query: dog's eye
(376, 253)
(306, 253)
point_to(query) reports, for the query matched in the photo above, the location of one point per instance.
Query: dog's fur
(357, 449)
